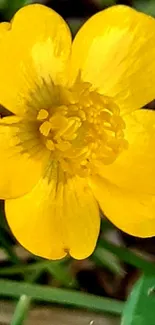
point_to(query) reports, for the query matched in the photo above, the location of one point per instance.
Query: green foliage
(104, 258)
(139, 309)
(62, 296)
(9, 7)
(146, 6)
(129, 257)
(105, 3)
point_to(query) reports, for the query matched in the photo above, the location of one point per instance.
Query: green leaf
(140, 307)
(147, 6)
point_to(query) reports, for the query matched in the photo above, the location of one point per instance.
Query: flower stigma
(82, 127)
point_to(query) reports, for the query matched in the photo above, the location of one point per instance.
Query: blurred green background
(60, 292)
(76, 11)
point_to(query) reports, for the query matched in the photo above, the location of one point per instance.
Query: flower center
(81, 128)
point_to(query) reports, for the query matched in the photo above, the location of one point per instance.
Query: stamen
(63, 146)
(50, 145)
(82, 128)
(45, 128)
(42, 115)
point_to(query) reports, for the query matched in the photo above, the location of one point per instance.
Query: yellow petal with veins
(131, 211)
(22, 157)
(64, 217)
(114, 51)
(34, 53)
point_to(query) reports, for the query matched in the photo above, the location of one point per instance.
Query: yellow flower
(77, 138)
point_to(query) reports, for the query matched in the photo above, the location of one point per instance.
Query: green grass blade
(60, 296)
(104, 258)
(128, 256)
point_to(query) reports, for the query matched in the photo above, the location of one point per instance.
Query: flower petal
(59, 215)
(22, 158)
(115, 51)
(130, 211)
(34, 51)
(134, 169)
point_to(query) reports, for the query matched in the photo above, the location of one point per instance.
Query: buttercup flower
(77, 139)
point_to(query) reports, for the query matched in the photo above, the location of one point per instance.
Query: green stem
(56, 269)
(128, 256)
(60, 296)
(21, 310)
(61, 274)
(23, 305)
(24, 268)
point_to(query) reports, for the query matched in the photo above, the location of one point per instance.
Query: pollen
(81, 128)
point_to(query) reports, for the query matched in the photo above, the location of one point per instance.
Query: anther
(45, 128)
(50, 145)
(42, 115)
